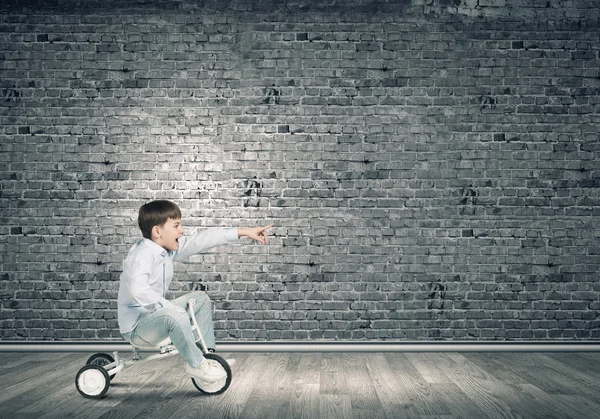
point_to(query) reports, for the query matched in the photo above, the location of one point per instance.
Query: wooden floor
(316, 385)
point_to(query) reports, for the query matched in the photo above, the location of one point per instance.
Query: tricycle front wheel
(217, 387)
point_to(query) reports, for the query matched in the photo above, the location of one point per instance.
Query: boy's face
(168, 234)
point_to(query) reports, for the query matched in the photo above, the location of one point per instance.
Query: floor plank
(427, 367)
(333, 377)
(39, 395)
(41, 379)
(335, 406)
(487, 392)
(315, 385)
(273, 385)
(421, 395)
(548, 374)
(22, 372)
(361, 388)
(9, 360)
(583, 381)
(305, 390)
(528, 398)
(584, 362)
(387, 383)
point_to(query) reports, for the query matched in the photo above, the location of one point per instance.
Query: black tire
(92, 381)
(101, 359)
(227, 369)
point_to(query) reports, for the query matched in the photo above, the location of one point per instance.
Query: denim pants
(156, 326)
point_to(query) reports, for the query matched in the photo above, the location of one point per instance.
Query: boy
(146, 318)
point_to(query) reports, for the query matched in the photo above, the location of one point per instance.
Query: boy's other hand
(258, 234)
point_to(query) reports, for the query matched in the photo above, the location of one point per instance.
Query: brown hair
(156, 213)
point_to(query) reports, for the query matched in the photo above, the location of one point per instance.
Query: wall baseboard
(322, 346)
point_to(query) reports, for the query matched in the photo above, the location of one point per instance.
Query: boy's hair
(156, 213)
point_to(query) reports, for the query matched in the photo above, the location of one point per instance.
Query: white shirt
(148, 272)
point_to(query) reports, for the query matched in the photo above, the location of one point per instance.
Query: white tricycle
(94, 378)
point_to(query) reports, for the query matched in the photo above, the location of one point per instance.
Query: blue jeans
(156, 326)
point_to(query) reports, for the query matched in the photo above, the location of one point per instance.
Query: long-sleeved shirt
(148, 271)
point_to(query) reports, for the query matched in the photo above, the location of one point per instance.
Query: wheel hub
(91, 382)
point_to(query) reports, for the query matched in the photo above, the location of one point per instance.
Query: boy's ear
(155, 232)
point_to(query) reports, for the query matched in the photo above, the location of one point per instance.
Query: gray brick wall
(433, 167)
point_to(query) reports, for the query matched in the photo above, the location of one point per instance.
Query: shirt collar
(154, 248)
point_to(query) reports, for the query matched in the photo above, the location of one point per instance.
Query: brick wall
(433, 166)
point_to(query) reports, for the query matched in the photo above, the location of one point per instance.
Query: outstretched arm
(258, 234)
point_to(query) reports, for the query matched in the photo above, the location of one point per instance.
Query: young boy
(146, 318)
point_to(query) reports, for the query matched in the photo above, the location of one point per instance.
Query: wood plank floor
(316, 385)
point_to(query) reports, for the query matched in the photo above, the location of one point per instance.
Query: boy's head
(156, 214)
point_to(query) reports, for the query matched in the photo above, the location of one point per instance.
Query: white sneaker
(208, 371)
(231, 361)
